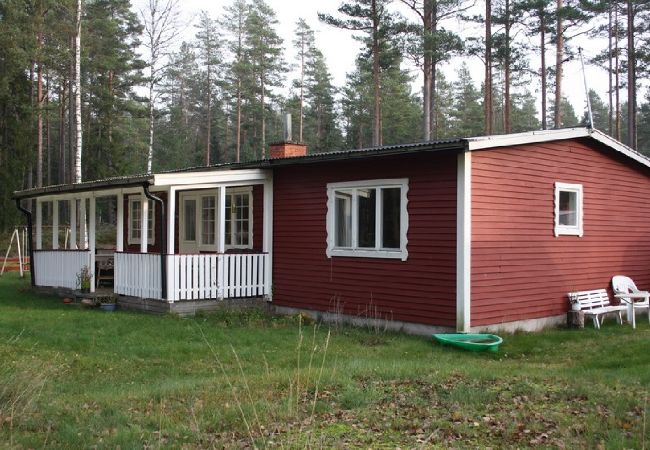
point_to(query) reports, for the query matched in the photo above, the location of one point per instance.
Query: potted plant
(107, 303)
(84, 278)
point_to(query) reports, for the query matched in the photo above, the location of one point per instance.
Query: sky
(340, 49)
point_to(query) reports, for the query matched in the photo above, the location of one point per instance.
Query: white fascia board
(506, 140)
(620, 147)
(210, 177)
(530, 137)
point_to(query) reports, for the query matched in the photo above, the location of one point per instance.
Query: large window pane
(189, 225)
(135, 219)
(391, 206)
(568, 208)
(343, 219)
(208, 220)
(367, 217)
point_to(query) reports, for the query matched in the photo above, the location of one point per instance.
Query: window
(208, 220)
(367, 219)
(135, 219)
(239, 218)
(568, 209)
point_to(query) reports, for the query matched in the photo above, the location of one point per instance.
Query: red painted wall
(420, 289)
(520, 270)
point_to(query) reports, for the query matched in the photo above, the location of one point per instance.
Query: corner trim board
(463, 241)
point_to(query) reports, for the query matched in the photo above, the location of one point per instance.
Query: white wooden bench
(596, 304)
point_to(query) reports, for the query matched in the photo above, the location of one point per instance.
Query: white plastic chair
(636, 300)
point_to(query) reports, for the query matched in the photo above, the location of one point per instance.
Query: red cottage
(467, 234)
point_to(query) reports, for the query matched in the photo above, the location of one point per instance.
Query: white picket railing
(196, 277)
(59, 268)
(137, 275)
(193, 277)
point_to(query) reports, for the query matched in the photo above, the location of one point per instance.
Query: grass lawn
(78, 378)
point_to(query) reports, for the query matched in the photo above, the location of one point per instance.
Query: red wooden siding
(520, 270)
(258, 217)
(420, 289)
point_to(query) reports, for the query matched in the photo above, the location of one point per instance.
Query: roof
(458, 144)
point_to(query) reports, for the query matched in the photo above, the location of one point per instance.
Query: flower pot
(108, 306)
(575, 307)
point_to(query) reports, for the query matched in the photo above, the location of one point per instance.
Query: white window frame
(569, 230)
(354, 250)
(152, 214)
(198, 196)
(238, 191)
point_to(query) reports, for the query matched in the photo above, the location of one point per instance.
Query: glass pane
(568, 208)
(343, 219)
(135, 219)
(150, 215)
(208, 220)
(189, 232)
(228, 222)
(391, 205)
(367, 217)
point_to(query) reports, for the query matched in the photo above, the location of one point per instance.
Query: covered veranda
(200, 241)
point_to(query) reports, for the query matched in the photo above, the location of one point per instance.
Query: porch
(215, 246)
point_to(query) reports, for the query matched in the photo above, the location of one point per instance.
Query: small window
(367, 219)
(239, 218)
(135, 219)
(568, 209)
(208, 220)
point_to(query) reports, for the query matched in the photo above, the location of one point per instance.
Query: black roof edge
(111, 183)
(407, 149)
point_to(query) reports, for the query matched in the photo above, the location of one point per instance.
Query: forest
(91, 89)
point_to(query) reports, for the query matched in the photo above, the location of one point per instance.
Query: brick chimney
(287, 148)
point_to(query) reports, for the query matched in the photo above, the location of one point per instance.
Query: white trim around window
(230, 194)
(568, 204)
(137, 218)
(347, 203)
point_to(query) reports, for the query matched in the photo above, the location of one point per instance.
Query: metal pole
(584, 77)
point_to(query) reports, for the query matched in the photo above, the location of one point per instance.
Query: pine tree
(264, 53)
(467, 112)
(373, 18)
(207, 43)
(238, 71)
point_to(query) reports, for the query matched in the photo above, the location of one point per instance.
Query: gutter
(163, 240)
(28, 215)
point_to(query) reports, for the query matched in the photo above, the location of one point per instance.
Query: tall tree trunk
(48, 149)
(263, 153)
(559, 56)
(151, 121)
(62, 152)
(302, 84)
(77, 94)
(610, 111)
(71, 118)
(208, 131)
(507, 122)
(433, 98)
(487, 98)
(39, 117)
(427, 71)
(617, 81)
(631, 77)
(542, 46)
(238, 144)
(376, 80)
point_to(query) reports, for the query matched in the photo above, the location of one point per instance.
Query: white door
(198, 221)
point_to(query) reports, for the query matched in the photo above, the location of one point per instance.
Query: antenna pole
(590, 116)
